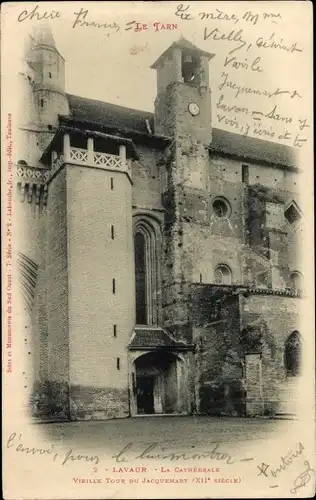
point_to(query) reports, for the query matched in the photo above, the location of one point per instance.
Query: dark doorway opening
(145, 394)
(157, 383)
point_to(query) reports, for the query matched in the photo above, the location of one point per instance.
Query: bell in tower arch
(190, 69)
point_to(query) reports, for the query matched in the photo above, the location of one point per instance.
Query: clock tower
(183, 106)
(183, 113)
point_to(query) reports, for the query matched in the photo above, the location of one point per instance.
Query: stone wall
(228, 382)
(219, 362)
(276, 317)
(146, 179)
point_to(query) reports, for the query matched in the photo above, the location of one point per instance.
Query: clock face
(194, 108)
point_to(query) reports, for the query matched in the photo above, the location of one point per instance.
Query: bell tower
(183, 109)
(183, 103)
(183, 113)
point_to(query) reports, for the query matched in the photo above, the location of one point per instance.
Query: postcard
(157, 265)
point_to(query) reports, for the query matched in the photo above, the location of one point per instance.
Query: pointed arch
(147, 240)
(292, 354)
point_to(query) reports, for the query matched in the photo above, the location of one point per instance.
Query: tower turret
(48, 84)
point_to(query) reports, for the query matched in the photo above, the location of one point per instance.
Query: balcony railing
(96, 159)
(32, 174)
(78, 156)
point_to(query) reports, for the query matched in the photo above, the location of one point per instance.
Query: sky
(112, 64)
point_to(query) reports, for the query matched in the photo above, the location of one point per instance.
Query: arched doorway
(292, 355)
(290, 389)
(156, 383)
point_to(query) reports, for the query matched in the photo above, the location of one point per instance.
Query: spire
(43, 35)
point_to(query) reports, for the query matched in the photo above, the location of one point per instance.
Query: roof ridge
(224, 141)
(110, 104)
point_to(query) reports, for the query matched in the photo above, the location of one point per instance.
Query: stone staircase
(289, 394)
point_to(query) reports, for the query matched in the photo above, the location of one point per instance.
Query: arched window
(292, 355)
(296, 281)
(140, 278)
(190, 68)
(146, 251)
(223, 275)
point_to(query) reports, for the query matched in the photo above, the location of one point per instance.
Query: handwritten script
(129, 453)
(162, 453)
(249, 51)
(303, 478)
(15, 442)
(286, 461)
(248, 40)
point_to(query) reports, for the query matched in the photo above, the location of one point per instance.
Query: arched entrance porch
(159, 384)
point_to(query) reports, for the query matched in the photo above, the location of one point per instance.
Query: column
(66, 141)
(206, 70)
(90, 150)
(157, 395)
(123, 153)
(177, 58)
(254, 398)
(132, 385)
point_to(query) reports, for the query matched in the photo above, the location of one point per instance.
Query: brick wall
(57, 272)
(94, 261)
(30, 252)
(51, 384)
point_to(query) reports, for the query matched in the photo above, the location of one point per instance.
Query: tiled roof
(182, 43)
(223, 142)
(254, 149)
(154, 337)
(112, 115)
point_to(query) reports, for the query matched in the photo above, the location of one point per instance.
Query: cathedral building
(158, 256)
